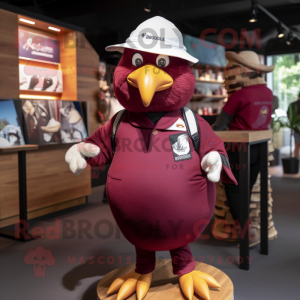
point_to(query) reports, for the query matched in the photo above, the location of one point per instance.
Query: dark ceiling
(111, 21)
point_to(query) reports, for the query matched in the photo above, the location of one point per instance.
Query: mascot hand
(212, 165)
(75, 156)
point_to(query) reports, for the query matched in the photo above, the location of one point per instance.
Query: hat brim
(168, 51)
(234, 57)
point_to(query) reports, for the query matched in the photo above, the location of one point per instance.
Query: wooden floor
(165, 284)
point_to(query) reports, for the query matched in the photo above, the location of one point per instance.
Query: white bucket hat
(156, 35)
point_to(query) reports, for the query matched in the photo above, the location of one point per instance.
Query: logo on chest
(180, 146)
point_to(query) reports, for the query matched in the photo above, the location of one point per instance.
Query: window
(285, 79)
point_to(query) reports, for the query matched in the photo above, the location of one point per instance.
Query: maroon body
(159, 203)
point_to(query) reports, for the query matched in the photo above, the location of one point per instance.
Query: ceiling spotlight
(290, 38)
(148, 8)
(280, 31)
(253, 15)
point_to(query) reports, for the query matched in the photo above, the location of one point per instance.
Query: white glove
(75, 156)
(212, 165)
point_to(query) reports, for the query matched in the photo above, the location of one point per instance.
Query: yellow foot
(130, 283)
(199, 282)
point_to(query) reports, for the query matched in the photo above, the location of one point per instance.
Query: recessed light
(27, 21)
(147, 8)
(37, 97)
(53, 28)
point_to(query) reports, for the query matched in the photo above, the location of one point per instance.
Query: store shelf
(207, 98)
(32, 94)
(208, 81)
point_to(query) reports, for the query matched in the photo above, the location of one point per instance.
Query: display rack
(209, 81)
(50, 184)
(207, 98)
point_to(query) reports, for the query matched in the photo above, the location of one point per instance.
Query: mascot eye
(162, 61)
(137, 59)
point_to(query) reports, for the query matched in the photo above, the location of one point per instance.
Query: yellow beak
(149, 79)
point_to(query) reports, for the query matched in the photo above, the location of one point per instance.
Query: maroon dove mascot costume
(160, 189)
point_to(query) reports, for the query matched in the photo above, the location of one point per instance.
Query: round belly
(158, 212)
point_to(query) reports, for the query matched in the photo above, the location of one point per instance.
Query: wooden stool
(165, 284)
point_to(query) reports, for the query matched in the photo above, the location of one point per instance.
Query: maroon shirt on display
(157, 191)
(251, 107)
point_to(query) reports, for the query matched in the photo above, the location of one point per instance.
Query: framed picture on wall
(53, 121)
(42, 119)
(73, 129)
(38, 78)
(34, 46)
(10, 130)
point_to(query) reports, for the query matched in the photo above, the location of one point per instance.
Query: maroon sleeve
(101, 138)
(233, 103)
(209, 142)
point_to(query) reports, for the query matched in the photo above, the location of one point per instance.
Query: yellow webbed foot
(199, 282)
(211, 282)
(130, 283)
(143, 285)
(116, 285)
(187, 285)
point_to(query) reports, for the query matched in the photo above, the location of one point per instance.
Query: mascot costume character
(164, 159)
(249, 107)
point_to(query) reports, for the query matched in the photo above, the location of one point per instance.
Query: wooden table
(22, 187)
(165, 284)
(248, 138)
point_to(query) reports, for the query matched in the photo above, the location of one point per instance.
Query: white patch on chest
(179, 125)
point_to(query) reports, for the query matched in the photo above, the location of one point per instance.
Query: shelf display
(41, 61)
(209, 84)
(38, 47)
(209, 94)
(65, 50)
(39, 78)
(53, 122)
(10, 129)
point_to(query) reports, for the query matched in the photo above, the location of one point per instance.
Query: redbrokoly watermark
(104, 229)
